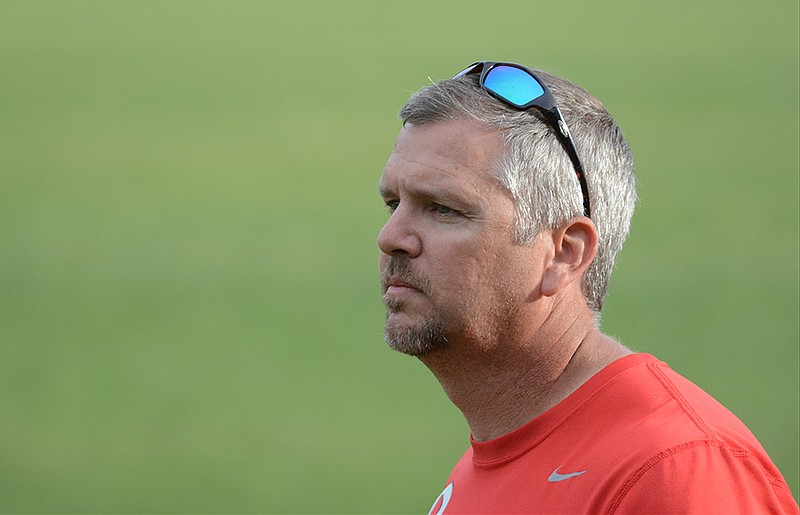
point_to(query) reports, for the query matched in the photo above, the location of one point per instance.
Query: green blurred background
(190, 318)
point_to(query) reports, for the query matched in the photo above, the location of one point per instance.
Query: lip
(398, 287)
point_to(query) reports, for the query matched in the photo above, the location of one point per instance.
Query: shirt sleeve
(705, 477)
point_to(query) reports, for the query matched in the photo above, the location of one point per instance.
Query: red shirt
(636, 437)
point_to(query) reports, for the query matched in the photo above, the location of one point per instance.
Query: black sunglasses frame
(546, 104)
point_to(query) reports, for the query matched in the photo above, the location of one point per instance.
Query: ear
(574, 249)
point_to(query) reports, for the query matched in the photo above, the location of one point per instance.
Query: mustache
(400, 269)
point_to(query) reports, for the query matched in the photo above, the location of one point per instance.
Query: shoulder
(658, 408)
(704, 476)
(688, 453)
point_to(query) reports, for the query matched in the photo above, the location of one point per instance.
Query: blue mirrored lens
(513, 84)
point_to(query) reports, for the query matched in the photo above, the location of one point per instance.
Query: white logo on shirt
(555, 477)
(444, 499)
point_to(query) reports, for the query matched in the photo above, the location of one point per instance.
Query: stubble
(423, 337)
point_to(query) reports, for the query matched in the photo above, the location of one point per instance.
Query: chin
(415, 339)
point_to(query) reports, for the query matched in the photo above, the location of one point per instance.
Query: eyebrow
(461, 201)
(384, 191)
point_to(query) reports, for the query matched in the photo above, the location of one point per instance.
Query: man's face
(450, 268)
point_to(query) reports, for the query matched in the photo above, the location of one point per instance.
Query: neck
(501, 386)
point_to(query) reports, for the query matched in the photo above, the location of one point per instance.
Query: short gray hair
(536, 169)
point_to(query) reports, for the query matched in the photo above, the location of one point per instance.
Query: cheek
(462, 263)
(468, 273)
(509, 276)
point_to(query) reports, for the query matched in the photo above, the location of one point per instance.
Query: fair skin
(520, 337)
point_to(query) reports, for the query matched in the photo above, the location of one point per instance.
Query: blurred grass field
(189, 311)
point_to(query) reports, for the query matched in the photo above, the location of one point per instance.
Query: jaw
(414, 336)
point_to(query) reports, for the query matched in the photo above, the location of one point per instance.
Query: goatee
(422, 338)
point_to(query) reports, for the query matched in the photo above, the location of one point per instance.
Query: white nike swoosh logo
(555, 477)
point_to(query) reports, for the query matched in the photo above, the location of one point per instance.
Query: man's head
(522, 166)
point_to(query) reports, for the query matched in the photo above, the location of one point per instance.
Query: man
(495, 261)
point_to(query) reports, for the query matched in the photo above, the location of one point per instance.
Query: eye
(443, 210)
(391, 205)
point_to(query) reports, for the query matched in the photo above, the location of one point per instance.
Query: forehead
(453, 151)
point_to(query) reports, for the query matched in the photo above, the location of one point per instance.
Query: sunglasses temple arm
(587, 212)
(565, 138)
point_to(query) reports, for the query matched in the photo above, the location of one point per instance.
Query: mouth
(400, 282)
(394, 287)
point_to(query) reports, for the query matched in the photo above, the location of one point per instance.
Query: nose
(399, 236)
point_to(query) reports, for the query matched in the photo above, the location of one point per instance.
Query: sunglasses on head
(522, 89)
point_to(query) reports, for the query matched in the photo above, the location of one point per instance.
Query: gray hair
(536, 169)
